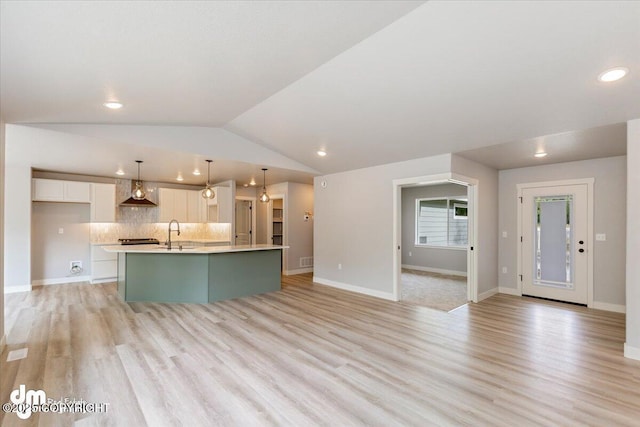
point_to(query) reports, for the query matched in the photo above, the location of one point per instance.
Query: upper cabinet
(103, 203)
(190, 206)
(221, 207)
(53, 190)
(181, 205)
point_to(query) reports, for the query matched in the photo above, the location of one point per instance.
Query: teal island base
(197, 278)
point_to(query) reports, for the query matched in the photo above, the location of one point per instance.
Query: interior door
(554, 242)
(244, 233)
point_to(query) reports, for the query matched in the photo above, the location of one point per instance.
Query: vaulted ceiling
(371, 82)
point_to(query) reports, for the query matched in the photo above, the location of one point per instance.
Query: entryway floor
(433, 290)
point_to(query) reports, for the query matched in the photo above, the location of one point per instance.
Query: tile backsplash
(111, 232)
(136, 215)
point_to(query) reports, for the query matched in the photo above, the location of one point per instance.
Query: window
(441, 222)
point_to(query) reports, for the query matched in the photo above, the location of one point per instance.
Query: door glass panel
(553, 241)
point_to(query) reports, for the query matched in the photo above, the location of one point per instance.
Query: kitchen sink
(176, 248)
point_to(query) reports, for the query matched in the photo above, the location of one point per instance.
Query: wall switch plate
(410, 253)
(504, 234)
(339, 266)
(60, 230)
(601, 237)
(504, 270)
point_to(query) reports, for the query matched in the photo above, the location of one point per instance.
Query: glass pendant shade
(208, 192)
(264, 197)
(138, 192)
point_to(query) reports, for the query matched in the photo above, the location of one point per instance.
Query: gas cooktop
(142, 241)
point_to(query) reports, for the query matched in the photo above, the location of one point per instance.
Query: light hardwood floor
(313, 355)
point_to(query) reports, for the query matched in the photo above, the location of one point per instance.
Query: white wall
(632, 345)
(299, 232)
(17, 224)
(487, 226)
(52, 252)
(2, 181)
(609, 218)
(353, 224)
(454, 260)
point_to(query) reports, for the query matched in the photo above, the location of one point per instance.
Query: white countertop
(177, 240)
(161, 249)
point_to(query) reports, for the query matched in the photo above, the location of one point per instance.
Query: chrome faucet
(170, 230)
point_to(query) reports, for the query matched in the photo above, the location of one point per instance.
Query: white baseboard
(487, 294)
(298, 271)
(353, 288)
(16, 289)
(631, 352)
(618, 308)
(105, 280)
(61, 280)
(509, 291)
(3, 342)
(435, 270)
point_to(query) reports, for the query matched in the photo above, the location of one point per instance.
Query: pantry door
(555, 242)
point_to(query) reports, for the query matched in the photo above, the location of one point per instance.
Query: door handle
(580, 250)
(581, 242)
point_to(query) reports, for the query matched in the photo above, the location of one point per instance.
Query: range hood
(144, 203)
(138, 203)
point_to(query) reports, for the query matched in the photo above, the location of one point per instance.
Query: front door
(243, 222)
(554, 242)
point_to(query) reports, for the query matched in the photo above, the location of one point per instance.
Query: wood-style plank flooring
(314, 355)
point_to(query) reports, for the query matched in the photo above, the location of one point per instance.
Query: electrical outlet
(339, 266)
(75, 267)
(504, 270)
(601, 237)
(60, 230)
(410, 253)
(504, 234)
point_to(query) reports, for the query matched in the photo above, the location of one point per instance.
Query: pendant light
(264, 197)
(138, 192)
(208, 192)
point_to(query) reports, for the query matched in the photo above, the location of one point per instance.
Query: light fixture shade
(264, 197)
(138, 192)
(208, 192)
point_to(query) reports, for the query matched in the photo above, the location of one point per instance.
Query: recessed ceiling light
(179, 178)
(253, 182)
(119, 172)
(613, 74)
(245, 185)
(113, 105)
(196, 172)
(321, 153)
(540, 154)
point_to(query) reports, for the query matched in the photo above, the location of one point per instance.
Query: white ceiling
(371, 82)
(169, 62)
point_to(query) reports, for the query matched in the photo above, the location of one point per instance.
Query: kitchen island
(196, 274)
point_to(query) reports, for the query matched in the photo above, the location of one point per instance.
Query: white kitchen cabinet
(182, 205)
(103, 203)
(196, 207)
(221, 207)
(77, 192)
(53, 190)
(104, 265)
(166, 201)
